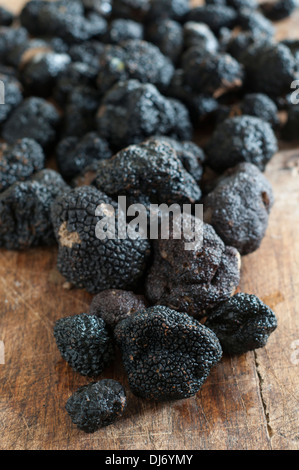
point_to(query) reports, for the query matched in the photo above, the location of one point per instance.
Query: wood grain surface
(249, 402)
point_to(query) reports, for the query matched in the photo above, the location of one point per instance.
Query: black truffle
(85, 258)
(84, 343)
(167, 355)
(239, 206)
(25, 211)
(96, 405)
(242, 324)
(241, 139)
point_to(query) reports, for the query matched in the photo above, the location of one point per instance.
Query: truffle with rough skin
(241, 139)
(193, 279)
(134, 9)
(242, 324)
(25, 211)
(122, 29)
(270, 68)
(134, 59)
(19, 161)
(150, 172)
(84, 343)
(132, 111)
(90, 256)
(174, 9)
(238, 207)
(97, 405)
(35, 119)
(214, 74)
(75, 154)
(114, 306)
(167, 34)
(9, 39)
(167, 354)
(215, 16)
(80, 111)
(200, 35)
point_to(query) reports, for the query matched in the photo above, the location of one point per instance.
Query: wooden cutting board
(250, 402)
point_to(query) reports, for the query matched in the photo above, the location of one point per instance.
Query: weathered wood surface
(250, 402)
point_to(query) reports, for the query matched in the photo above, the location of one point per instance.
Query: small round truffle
(132, 111)
(114, 306)
(25, 211)
(167, 354)
(242, 324)
(84, 343)
(241, 139)
(214, 74)
(279, 10)
(19, 161)
(238, 207)
(97, 405)
(6, 17)
(35, 119)
(168, 36)
(74, 154)
(215, 16)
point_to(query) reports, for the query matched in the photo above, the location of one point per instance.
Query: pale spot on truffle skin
(68, 239)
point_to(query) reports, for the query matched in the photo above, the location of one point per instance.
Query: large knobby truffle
(196, 278)
(167, 354)
(89, 260)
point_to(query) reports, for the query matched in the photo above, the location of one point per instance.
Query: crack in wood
(270, 432)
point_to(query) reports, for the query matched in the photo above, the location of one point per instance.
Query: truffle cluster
(110, 93)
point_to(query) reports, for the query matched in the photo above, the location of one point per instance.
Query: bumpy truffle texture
(114, 306)
(87, 258)
(25, 211)
(133, 9)
(74, 154)
(241, 139)
(10, 38)
(34, 118)
(254, 104)
(21, 53)
(132, 111)
(84, 343)
(200, 105)
(135, 59)
(291, 128)
(168, 36)
(97, 405)
(13, 96)
(215, 16)
(175, 9)
(191, 156)
(88, 52)
(270, 68)
(19, 161)
(146, 173)
(193, 279)
(214, 74)
(280, 9)
(64, 18)
(241, 42)
(167, 354)
(238, 208)
(200, 35)
(40, 71)
(6, 17)
(121, 30)
(242, 324)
